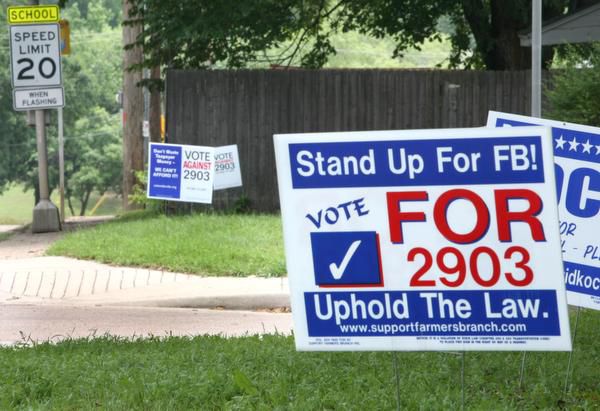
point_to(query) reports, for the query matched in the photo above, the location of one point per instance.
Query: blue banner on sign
(164, 175)
(567, 143)
(432, 313)
(435, 162)
(581, 278)
(349, 258)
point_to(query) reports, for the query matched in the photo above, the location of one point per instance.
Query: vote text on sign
(423, 240)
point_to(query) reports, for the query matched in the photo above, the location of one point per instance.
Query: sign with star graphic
(577, 169)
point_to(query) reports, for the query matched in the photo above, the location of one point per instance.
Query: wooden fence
(247, 107)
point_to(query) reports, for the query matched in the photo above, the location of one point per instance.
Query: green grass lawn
(214, 244)
(16, 205)
(266, 373)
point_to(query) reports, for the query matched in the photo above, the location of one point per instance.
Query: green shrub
(575, 92)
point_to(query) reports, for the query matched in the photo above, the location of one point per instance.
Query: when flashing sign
(423, 240)
(577, 167)
(35, 99)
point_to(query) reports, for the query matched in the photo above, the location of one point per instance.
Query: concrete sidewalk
(66, 281)
(61, 280)
(52, 298)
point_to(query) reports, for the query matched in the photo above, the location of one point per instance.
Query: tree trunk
(84, 202)
(155, 110)
(133, 108)
(506, 52)
(497, 39)
(70, 203)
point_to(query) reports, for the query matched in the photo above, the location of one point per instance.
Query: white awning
(580, 27)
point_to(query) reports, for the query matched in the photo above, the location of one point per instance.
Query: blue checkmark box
(346, 259)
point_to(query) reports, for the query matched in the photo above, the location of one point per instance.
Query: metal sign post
(397, 375)
(61, 164)
(571, 353)
(45, 213)
(536, 93)
(536, 58)
(37, 82)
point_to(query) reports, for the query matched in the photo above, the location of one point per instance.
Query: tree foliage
(93, 158)
(185, 34)
(92, 126)
(91, 78)
(575, 92)
(17, 140)
(94, 12)
(202, 33)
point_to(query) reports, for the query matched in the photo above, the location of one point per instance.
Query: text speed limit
(35, 55)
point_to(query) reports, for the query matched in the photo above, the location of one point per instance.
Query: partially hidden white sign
(423, 240)
(577, 166)
(181, 172)
(227, 167)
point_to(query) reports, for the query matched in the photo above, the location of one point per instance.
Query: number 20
(42, 68)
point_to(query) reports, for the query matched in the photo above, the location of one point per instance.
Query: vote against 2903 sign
(35, 55)
(197, 165)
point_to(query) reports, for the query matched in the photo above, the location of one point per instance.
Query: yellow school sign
(33, 14)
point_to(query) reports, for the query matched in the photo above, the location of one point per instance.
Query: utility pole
(133, 108)
(536, 58)
(155, 107)
(45, 213)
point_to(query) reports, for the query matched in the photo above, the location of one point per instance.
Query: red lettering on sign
(483, 216)
(504, 216)
(396, 217)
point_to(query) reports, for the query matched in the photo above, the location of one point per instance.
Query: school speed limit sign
(35, 55)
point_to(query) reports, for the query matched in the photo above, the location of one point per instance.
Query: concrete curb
(275, 302)
(14, 229)
(229, 302)
(45, 281)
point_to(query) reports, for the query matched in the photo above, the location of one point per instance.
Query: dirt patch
(26, 244)
(23, 243)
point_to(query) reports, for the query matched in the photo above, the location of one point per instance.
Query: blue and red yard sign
(577, 166)
(180, 172)
(423, 240)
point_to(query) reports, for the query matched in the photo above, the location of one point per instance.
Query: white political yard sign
(227, 167)
(423, 240)
(35, 55)
(577, 166)
(181, 172)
